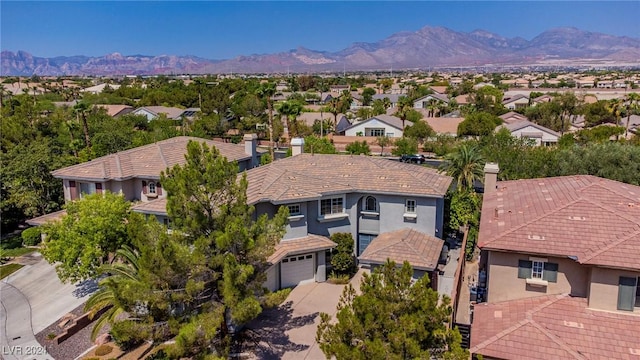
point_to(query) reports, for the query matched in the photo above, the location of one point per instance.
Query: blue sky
(221, 30)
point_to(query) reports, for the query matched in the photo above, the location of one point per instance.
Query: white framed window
(370, 204)
(294, 209)
(333, 205)
(152, 188)
(376, 132)
(410, 206)
(537, 269)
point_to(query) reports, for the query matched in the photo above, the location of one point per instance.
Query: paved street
(32, 299)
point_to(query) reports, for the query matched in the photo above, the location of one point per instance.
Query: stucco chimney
(490, 177)
(251, 148)
(297, 146)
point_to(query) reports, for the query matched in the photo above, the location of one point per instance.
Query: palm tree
(404, 107)
(105, 300)
(81, 114)
(267, 91)
(632, 102)
(465, 165)
(290, 110)
(334, 108)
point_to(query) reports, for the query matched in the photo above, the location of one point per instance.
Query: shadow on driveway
(266, 337)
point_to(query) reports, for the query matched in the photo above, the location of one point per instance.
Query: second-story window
(410, 206)
(294, 209)
(152, 188)
(371, 204)
(334, 205)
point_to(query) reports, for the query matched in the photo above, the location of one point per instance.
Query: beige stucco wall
(603, 294)
(503, 282)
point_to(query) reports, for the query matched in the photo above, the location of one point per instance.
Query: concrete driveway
(32, 299)
(289, 331)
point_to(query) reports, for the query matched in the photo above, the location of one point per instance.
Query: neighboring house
(423, 102)
(379, 125)
(513, 117)
(172, 113)
(393, 98)
(444, 125)
(442, 90)
(562, 269)
(135, 173)
(97, 89)
(463, 99)
(338, 89)
(526, 129)
(325, 194)
(516, 102)
(115, 110)
(542, 99)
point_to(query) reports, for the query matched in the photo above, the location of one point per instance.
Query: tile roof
(390, 120)
(512, 116)
(422, 251)
(170, 112)
(113, 110)
(518, 125)
(301, 245)
(444, 125)
(311, 176)
(156, 207)
(553, 327)
(41, 220)
(144, 161)
(593, 219)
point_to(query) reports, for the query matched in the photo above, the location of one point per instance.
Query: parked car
(413, 158)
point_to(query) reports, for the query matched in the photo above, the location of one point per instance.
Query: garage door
(295, 269)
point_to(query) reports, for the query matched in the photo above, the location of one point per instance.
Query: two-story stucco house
(135, 173)
(562, 260)
(365, 196)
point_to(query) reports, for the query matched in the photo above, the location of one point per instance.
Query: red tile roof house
(379, 201)
(563, 269)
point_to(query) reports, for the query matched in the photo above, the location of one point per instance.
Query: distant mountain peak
(430, 46)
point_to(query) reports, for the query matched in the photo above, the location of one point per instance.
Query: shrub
(103, 350)
(31, 236)
(51, 336)
(276, 298)
(340, 279)
(357, 148)
(129, 334)
(343, 261)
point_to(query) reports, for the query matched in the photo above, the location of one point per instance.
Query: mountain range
(426, 48)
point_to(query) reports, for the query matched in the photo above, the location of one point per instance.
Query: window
(87, 188)
(370, 204)
(375, 132)
(410, 207)
(628, 293)
(538, 269)
(332, 206)
(152, 188)
(363, 241)
(294, 209)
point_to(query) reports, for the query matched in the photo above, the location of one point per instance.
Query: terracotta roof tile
(422, 251)
(596, 220)
(555, 326)
(305, 244)
(158, 207)
(41, 220)
(145, 161)
(308, 177)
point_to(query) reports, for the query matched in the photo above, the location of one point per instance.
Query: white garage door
(295, 269)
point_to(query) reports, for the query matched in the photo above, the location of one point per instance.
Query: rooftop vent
(535, 237)
(574, 324)
(578, 218)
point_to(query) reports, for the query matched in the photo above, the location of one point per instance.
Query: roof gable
(422, 251)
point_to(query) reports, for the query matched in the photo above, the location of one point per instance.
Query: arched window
(152, 188)
(370, 204)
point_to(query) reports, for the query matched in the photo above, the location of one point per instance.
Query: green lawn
(6, 270)
(17, 252)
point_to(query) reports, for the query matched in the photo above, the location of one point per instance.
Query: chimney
(297, 146)
(251, 148)
(490, 177)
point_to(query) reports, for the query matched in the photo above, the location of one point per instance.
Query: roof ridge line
(531, 221)
(162, 157)
(118, 165)
(500, 335)
(557, 341)
(608, 189)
